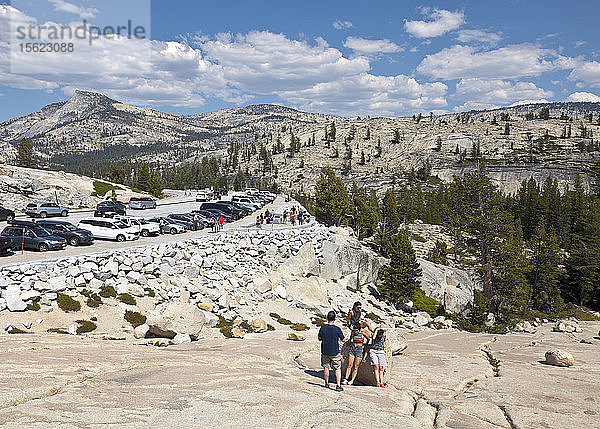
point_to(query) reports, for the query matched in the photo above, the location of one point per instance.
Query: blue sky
(350, 58)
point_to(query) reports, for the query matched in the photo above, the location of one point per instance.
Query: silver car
(44, 209)
(142, 203)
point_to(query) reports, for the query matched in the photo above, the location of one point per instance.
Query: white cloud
(587, 74)
(441, 21)
(509, 62)
(524, 102)
(583, 96)
(82, 12)
(366, 94)
(342, 25)
(467, 36)
(370, 46)
(496, 92)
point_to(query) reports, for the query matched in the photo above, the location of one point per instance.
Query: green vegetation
(15, 330)
(93, 299)
(25, 154)
(318, 320)
(422, 302)
(280, 319)
(400, 277)
(150, 292)
(299, 327)
(34, 306)
(107, 291)
(136, 319)
(102, 188)
(58, 331)
(126, 299)
(85, 326)
(375, 318)
(67, 304)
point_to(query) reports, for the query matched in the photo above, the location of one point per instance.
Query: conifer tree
(545, 273)
(400, 279)
(25, 156)
(143, 178)
(332, 203)
(389, 218)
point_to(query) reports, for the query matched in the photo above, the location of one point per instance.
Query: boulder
(449, 286)
(365, 374)
(421, 318)
(566, 326)
(12, 296)
(305, 262)
(294, 336)
(141, 331)
(211, 320)
(182, 338)
(175, 317)
(262, 285)
(237, 333)
(259, 325)
(559, 358)
(344, 255)
(310, 294)
(206, 306)
(397, 340)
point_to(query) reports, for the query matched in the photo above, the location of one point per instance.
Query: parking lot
(178, 205)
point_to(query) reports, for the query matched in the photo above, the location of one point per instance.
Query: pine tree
(155, 184)
(545, 273)
(389, 218)
(437, 255)
(25, 156)
(400, 279)
(332, 203)
(143, 178)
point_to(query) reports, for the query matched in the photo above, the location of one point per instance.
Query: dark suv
(6, 245)
(74, 236)
(6, 214)
(34, 237)
(108, 208)
(226, 207)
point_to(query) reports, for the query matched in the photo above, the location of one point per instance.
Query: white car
(110, 229)
(144, 227)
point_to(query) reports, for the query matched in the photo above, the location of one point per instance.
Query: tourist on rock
(355, 355)
(377, 356)
(330, 337)
(221, 222)
(285, 214)
(258, 222)
(356, 320)
(300, 217)
(293, 219)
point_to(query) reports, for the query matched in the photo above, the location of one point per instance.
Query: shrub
(85, 326)
(94, 319)
(107, 291)
(375, 318)
(126, 299)
(280, 319)
(67, 304)
(102, 188)
(58, 331)
(136, 319)
(299, 327)
(34, 306)
(150, 292)
(423, 303)
(225, 326)
(14, 330)
(318, 321)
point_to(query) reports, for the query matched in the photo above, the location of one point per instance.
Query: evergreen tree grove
(25, 156)
(399, 279)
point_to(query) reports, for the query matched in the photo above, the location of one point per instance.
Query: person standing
(355, 356)
(331, 358)
(377, 356)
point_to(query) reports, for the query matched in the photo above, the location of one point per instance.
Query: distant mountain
(91, 122)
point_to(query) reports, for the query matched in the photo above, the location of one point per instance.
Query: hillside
(91, 128)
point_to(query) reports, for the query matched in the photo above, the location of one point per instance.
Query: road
(181, 206)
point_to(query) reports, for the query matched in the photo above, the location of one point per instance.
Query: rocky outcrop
(449, 286)
(366, 374)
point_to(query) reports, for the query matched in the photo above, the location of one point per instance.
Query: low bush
(14, 330)
(67, 304)
(280, 319)
(107, 291)
(299, 327)
(136, 319)
(150, 292)
(34, 306)
(58, 331)
(85, 326)
(423, 303)
(102, 188)
(126, 299)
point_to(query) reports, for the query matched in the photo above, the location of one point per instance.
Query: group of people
(217, 223)
(362, 335)
(295, 215)
(267, 218)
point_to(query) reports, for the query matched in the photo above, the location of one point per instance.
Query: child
(377, 356)
(355, 356)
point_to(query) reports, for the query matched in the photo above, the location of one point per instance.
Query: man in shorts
(331, 358)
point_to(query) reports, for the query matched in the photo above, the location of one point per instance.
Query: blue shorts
(357, 351)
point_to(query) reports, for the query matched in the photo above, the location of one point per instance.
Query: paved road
(103, 245)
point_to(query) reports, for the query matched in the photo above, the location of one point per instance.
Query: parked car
(246, 200)
(168, 225)
(109, 208)
(144, 227)
(219, 213)
(142, 203)
(184, 220)
(109, 229)
(204, 196)
(249, 208)
(6, 245)
(33, 237)
(6, 214)
(74, 236)
(44, 209)
(225, 207)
